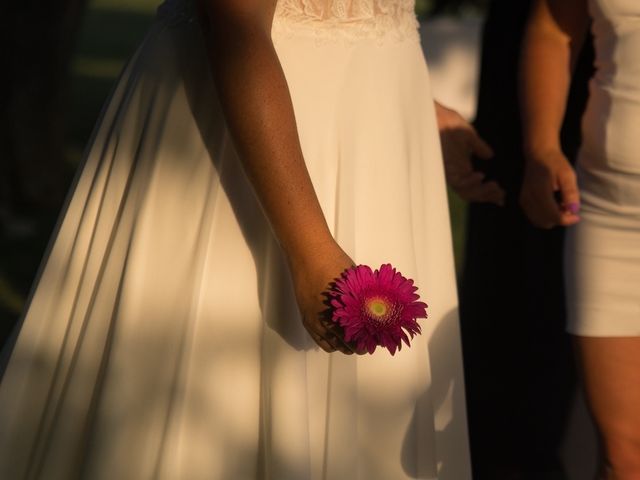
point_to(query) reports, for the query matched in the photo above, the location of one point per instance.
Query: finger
(360, 351)
(568, 185)
(569, 219)
(499, 199)
(489, 192)
(469, 186)
(478, 146)
(542, 209)
(337, 342)
(334, 335)
(468, 181)
(455, 179)
(458, 160)
(495, 194)
(456, 174)
(322, 343)
(342, 346)
(322, 332)
(549, 211)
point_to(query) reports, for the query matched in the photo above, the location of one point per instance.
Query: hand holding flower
(376, 308)
(312, 273)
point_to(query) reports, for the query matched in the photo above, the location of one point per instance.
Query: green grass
(458, 212)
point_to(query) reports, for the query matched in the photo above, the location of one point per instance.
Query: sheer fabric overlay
(163, 340)
(347, 19)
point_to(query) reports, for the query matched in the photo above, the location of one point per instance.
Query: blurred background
(60, 78)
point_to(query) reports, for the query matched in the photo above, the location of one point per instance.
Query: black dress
(520, 374)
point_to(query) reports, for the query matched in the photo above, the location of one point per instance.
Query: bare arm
(552, 41)
(257, 105)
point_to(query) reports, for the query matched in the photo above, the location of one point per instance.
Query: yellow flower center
(377, 307)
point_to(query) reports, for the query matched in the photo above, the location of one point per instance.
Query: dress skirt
(603, 251)
(163, 340)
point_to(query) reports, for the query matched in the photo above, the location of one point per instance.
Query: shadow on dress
(445, 398)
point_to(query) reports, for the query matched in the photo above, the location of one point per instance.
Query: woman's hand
(547, 176)
(552, 40)
(312, 275)
(459, 142)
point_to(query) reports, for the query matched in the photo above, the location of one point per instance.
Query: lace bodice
(347, 18)
(324, 19)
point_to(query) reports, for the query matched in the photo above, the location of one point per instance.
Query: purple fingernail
(573, 207)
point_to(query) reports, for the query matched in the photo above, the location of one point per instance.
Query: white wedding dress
(162, 339)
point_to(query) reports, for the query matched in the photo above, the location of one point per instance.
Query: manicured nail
(573, 207)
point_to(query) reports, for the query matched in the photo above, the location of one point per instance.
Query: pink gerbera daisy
(376, 307)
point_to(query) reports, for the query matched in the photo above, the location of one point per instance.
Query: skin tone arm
(552, 41)
(460, 142)
(261, 120)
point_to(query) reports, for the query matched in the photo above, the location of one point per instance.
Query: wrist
(310, 247)
(542, 153)
(324, 261)
(444, 115)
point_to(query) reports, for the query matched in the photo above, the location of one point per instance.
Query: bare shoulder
(238, 11)
(569, 17)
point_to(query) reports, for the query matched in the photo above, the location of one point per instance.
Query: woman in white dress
(250, 152)
(603, 245)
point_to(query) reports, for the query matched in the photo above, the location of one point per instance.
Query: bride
(251, 151)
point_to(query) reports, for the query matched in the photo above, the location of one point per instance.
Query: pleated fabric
(162, 339)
